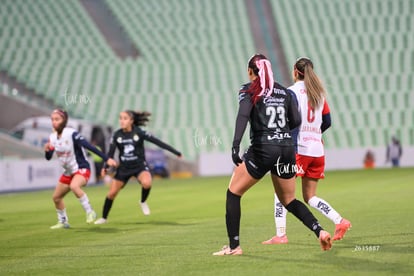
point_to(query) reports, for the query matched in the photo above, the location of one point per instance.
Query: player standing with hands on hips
(273, 112)
(129, 140)
(68, 145)
(310, 157)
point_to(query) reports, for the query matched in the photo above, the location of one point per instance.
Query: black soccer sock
(233, 214)
(300, 211)
(107, 207)
(145, 194)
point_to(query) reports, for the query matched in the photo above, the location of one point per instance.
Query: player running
(272, 111)
(310, 158)
(68, 145)
(129, 140)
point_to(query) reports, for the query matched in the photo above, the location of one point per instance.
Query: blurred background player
(68, 145)
(273, 113)
(310, 157)
(129, 140)
(97, 162)
(394, 152)
(369, 160)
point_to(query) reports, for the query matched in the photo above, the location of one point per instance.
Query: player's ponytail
(264, 83)
(139, 118)
(314, 87)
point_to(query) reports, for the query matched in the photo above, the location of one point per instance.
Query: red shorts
(66, 179)
(309, 166)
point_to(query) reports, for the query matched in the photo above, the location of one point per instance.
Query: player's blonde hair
(314, 87)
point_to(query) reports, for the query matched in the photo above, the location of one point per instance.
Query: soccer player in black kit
(272, 112)
(129, 140)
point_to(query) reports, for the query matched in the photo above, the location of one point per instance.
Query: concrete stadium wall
(31, 174)
(14, 111)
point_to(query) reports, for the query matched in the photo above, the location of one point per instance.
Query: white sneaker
(90, 217)
(145, 208)
(101, 221)
(60, 225)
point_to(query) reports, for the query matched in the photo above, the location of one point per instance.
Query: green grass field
(187, 224)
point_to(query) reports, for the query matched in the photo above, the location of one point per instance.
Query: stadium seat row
(364, 52)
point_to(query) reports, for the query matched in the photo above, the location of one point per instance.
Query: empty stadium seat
(193, 56)
(365, 50)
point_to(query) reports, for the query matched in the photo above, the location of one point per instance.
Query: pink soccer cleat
(277, 240)
(341, 228)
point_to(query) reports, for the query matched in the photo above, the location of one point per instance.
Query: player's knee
(146, 184)
(112, 194)
(56, 199)
(77, 190)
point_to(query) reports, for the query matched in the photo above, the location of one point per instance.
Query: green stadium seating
(363, 51)
(193, 57)
(192, 62)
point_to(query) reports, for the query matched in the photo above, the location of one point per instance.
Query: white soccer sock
(62, 216)
(324, 208)
(84, 200)
(280, 218)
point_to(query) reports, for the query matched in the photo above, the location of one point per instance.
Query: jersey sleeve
(293, 115)
(112, 147)
(242, 118)
(79, 140)
(326, 117)
(293, 96)
(325, 109)
(150, 138)
(49, 154)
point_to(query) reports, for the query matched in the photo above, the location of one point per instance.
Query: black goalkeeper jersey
(271, 119)
(131, 146)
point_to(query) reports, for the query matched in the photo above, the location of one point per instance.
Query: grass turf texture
(187, 225)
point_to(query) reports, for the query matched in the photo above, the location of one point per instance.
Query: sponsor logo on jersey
(310, 128)
(63, 153)
(128, 158)
(279, 136)
(128, 149)
(273, 100)
(279, 91)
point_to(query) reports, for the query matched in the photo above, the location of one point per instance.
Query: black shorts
(279, 160)
(124, 174)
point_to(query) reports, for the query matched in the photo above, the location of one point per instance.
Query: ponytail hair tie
(266, 77)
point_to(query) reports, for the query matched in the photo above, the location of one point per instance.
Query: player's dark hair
(139, 118)
(314, 87)
(259, 85)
